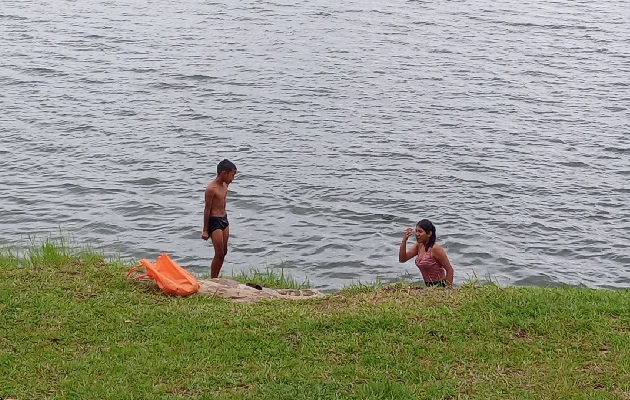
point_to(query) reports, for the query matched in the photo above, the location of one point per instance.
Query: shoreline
(274, 276)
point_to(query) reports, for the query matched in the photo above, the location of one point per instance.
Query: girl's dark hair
(428, 227)
(226, 166)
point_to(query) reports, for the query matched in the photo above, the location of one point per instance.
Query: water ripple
(505, 123)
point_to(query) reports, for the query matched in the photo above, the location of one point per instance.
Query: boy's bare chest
(220, 193)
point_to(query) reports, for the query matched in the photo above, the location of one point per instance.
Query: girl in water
(431, 258)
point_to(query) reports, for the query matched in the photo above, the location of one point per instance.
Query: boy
(215, 222)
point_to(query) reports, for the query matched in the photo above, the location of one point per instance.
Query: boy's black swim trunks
(217, 223)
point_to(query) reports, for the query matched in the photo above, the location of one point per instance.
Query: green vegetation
(270, 277)
(73, 327)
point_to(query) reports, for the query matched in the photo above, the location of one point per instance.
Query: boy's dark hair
(428, 227)
(226, 166)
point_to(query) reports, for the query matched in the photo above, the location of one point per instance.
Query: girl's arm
(405, 255)
(440, 255)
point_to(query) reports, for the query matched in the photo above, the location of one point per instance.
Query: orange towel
(170, 277)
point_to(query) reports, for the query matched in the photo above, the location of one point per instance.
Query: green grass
(271, 278)
(73, 327)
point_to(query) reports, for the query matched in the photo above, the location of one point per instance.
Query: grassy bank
(72, 326)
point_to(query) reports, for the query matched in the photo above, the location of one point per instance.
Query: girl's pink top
(430, 268)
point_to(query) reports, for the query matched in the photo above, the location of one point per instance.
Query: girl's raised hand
(408, 233)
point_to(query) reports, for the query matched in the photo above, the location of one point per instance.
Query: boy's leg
(226, 236)
(219, 253)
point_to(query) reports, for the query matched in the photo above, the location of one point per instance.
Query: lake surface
(506, 124)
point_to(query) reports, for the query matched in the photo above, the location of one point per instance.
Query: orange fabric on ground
(170, 277)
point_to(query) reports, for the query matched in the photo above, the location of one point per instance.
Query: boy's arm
(206, 212)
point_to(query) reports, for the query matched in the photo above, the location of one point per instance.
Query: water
(507, 124)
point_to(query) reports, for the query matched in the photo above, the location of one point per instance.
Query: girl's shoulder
(436, 247)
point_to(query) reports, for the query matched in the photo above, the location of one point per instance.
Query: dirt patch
(239, 292)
